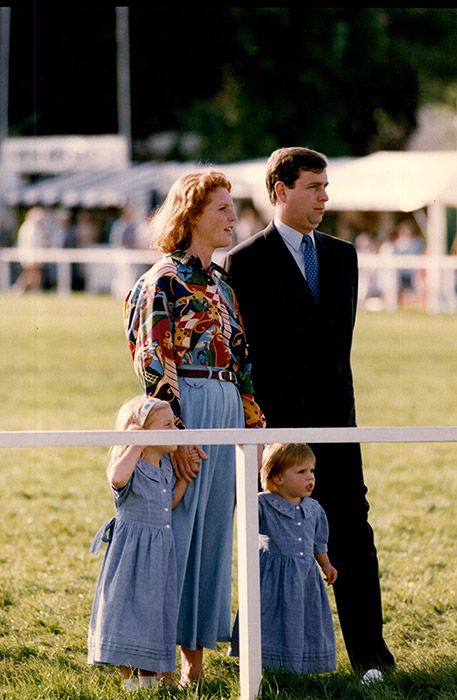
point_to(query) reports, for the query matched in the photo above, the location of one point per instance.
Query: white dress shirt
(293, 240)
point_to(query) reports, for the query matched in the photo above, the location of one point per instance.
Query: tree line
(230, 83)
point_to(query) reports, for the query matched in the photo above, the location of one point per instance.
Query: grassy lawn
(65, 365)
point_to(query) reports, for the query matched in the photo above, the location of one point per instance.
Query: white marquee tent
(387, 181)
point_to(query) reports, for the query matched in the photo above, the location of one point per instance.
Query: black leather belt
(224, 375)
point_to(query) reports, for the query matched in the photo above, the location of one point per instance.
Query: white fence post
(5, 275)
(64, 278)
(389, 283)
(248, 572)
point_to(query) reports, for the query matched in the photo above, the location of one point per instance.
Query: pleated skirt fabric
(203, 521)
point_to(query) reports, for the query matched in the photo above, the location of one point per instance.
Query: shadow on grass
(439, 682)
(63, 682)
(433, 684)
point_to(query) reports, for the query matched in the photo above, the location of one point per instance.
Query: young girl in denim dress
(296, 619)
(134, 613)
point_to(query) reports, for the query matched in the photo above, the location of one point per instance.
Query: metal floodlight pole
(123, 77)
(5, 14)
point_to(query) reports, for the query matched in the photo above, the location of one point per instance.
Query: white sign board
(56, 154)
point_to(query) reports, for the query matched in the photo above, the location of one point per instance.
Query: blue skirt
(203, 520)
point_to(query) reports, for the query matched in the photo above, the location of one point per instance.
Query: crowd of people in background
(405, 238)
(50, 227)
(45, 227)
(54, 227)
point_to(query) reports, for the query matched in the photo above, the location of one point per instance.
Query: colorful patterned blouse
(179, 314)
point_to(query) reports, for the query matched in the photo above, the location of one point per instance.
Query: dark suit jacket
(300, 351)
(302, 378)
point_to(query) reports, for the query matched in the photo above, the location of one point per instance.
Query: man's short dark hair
(284, 165)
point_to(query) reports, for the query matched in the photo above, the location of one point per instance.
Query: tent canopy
(384, 181)
(397, 181)
(394, 181)
(102, 189)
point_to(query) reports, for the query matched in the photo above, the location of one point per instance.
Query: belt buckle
(220, 375)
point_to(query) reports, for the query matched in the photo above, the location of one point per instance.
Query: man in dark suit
(300, 340)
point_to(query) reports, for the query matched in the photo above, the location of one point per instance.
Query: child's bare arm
(330, 573)
(179, 491)
(120, 471)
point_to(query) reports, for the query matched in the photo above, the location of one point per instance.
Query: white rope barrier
(439, 270)
(246, 495)
(91, 438)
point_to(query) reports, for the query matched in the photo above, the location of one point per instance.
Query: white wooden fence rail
(246, 490)
(440, 291)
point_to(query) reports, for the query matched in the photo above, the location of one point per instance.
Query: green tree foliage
(338, 79)
(240, 80)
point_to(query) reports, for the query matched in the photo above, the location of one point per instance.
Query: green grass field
(65, 365)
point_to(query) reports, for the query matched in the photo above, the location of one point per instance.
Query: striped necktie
(311, 270)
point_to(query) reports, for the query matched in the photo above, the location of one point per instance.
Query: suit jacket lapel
(280, 257)
(325, 267)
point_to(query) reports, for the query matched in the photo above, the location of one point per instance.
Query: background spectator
(408, 242)
(31, 235)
